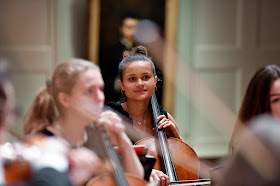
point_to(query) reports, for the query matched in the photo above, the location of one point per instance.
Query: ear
(121, 84)
(156, 80)
(63, 99)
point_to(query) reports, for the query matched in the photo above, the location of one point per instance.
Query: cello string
(163, 149)
(118, 171)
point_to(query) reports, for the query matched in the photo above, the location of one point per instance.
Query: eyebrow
(130, 74)
(142, 74)
(277, 94)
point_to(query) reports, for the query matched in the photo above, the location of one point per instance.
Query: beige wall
(34, 37)
(71, 29)
(222, 43)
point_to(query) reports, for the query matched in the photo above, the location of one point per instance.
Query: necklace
(138, 122)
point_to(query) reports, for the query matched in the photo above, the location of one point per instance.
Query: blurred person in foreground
(20, 162)
(256, 158)
(69, 102)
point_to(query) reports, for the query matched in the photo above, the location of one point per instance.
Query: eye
(146, 77)
(131, 79)
(275, 100)
(89, 91)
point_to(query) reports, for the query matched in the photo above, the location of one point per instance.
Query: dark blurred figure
(256, 159)
(111, 56)
(262, 96)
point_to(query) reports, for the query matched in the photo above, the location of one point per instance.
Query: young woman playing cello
(138, 83)
(73, 99)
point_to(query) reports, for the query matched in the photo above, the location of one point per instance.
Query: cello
(174, 157)
(23, 159)
(117, 177)
(14, 168)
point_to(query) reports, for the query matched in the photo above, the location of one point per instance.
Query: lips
(140, 91)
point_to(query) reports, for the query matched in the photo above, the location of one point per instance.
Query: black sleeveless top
(147, 161)
(117, 107)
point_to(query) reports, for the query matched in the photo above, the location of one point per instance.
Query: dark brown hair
(256, 100)
(138, 53)
(257, 97)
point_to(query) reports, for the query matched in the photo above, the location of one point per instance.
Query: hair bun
(140, 50)
(136, 50)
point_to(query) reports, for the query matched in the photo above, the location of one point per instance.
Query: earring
(122, 92)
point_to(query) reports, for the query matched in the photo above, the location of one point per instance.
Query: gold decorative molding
(169, 67)
(93, 29)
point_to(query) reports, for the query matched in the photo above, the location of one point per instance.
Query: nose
(139, 82)
(100, 96)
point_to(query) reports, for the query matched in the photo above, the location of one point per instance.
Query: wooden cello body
(185, 160)
(174, 157)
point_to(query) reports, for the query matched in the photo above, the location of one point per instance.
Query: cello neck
(162, 144)
(110, 153)
(156, 111)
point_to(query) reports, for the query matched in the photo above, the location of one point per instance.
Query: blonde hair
(46, 107)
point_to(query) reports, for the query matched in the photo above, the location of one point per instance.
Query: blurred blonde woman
(73, 99)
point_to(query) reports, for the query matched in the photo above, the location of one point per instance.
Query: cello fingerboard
(118, 172)
(162, 144)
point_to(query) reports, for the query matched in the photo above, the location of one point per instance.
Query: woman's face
(275, 98)
(138, 80)
(87, 96)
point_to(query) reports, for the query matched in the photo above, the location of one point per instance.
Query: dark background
(112, 10)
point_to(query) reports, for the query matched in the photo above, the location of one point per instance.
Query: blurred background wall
(219, 44)
(34, 37)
